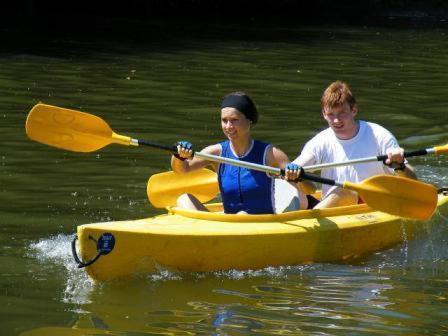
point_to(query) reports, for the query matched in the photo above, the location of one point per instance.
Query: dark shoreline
(316, 11)
(47, 26)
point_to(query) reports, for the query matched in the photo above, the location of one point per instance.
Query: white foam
(57, 250)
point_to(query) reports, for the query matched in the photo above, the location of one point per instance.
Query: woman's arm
(278, 158)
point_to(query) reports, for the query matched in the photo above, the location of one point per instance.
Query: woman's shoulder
(213, 149)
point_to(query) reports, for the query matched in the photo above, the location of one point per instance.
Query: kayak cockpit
(216, 214)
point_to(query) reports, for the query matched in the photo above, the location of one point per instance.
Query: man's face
(341, 119)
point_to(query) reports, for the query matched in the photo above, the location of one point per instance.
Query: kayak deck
(185, 240)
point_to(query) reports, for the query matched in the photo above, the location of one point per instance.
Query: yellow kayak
(185, 240)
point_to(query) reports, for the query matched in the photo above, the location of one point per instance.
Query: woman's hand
(293, 172)
(184, 150)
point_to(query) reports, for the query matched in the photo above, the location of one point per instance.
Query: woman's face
(234, 124)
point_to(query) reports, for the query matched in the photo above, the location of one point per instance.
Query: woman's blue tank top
(244, 189)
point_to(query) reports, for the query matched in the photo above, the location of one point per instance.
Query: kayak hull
(185, 240)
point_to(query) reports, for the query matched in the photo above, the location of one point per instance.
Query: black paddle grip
(171, 149)
(311, 177)
(419, 152)
(318, 179)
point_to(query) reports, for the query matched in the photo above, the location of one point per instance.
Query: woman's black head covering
(242, 103)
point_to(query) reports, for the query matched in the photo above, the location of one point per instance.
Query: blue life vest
(244, 189)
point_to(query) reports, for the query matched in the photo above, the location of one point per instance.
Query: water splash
(56, 250)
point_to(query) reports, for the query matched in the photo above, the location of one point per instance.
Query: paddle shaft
(322, 180)
(420, 152)
(278, 171)
(214, 158)
(220, 159)
(244, 164)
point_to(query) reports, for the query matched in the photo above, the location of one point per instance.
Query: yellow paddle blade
(441, 149)
(397, 195)
(69, 129)
(165, 188)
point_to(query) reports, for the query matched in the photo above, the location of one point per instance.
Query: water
(163, 82)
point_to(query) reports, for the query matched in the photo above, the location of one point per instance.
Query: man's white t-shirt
(371, 140)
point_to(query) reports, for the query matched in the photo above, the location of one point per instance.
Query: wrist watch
(401, 167)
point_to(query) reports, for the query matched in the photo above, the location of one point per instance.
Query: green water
(163, 83)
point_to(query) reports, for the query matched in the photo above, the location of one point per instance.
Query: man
(346, 139)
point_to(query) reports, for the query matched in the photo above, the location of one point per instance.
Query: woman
(242, 190)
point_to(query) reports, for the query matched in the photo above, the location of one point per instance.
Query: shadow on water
(85, 30)
(130, 36)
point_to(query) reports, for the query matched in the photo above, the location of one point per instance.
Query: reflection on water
(165, 86)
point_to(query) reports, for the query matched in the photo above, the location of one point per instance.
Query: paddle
(420, 152)
(163, 189)
(83, 132)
